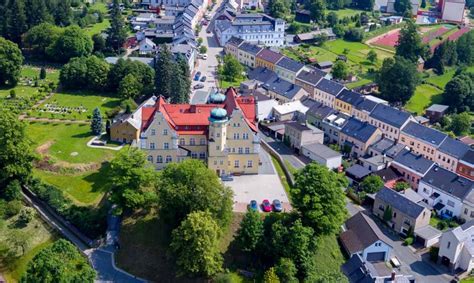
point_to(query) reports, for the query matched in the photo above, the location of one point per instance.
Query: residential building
(317, 113)
(413, 167)
(346, 101)
(406, 215)
(250, 4)
(362, 109)
(288, 69)
(322, 155)
(435, 112)
(446, 192)
(326, 92)
(452, 10)
(450, 152)
(332, 126)
(268, 58)
(298, 135)
(309, 80)
(264, 103)
(232, 46)
(358, 136)
(421, 139)
(386, 147)
(375, 163)
(325, 65)
(389, 120)
(290, 111)
(284, 91)
(456, 248)
(465, 166)
(185, 51)
(315, 36)
(247, 54)
(361, 236)
(254, 28)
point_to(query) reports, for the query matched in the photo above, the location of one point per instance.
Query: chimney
(393, 276)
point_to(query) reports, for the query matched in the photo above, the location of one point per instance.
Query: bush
(12, 208)
(12, 191)
(12, 94)
(26, 215)
(408, 241)
(434, 254)
(441, 225)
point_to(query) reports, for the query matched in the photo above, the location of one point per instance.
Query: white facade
(452, 205)
(377, 247)
(453, 10)
(457, 247)
(265, 108)
(331, 162)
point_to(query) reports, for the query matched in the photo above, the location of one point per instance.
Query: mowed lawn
(442, 80)
(357, 51)
(87, 101)
(342, 13)
(30, 73)
(424, 96)
(69, 142)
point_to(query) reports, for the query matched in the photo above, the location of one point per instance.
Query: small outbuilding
(435, 112)
(322, 154)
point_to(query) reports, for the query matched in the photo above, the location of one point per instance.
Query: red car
(266, 205)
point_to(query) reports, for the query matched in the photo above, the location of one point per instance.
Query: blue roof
(366, 105)
(282, 88)
(331, 87)
(217, 97)
(250, 48)
(400, 202)
(359, 130)
(454, 147)
(262, 74)
(350, 97)
(449, 182)
(218, 115)
(390, 115)
(424, 133)
(413, 161)
(290, 64)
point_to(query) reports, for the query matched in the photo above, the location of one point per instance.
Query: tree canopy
(11, 60)
(73, 42)
(251, 231)
(117, 33)
(397, 79)
(340, 70)
(409, 43)
(459, 92)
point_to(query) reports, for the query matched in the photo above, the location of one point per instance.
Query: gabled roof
(283, 88)
(468, 157)
(437, 108)
(449, 182)
(290, 64)
(454, 147)
(235, 41)
(262, 74)
(269, 55)
(429, 135)
(400, 202)
(350, 97)
(311, 77)
(331, 87)
(390, 115)
(321, 111)
(359, 130)
(366, 105)
(361, 233)
(413, 161)
(250, 48)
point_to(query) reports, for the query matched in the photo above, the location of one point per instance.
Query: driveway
(265, 185)
(285, 152)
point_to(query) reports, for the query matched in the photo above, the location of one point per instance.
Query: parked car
(253, 205)
(227, 178)
(277, 205)
(197, 76)
(266, 206)
(203, 79)
(198, 86)
(395, 262)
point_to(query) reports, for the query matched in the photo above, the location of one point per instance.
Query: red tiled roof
(246, 104)
(147, 116)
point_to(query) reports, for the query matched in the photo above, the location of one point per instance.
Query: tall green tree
(97, 73)
(409, 43)
(397, 79)
(318, 10)
(459, 92)
(371, 184)
(184, 87)
(15, 20)
(372, 56)
(16, 155)
(132, 179)
(231, 68)
(195, 244)
(464, 48)
(130, 87)
(279, 8)
(73, 42)
(41, 37)
(117, 33)
(37, 13)
(190, 186)
(403, 7)
(270, 276)
(164, 72)
(62, 12)
(96, 122)
(318, 196)
(286, 270)
(461, 123)
(11, 60)
(250, 232)
(340, 71)
(60, 262)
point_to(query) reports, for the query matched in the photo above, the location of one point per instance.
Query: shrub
(12, 191)
(441, 225)
(12, 208)
(12, 94)
(26, 215)
(408, 241)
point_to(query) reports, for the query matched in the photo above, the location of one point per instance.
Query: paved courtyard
(265, 185)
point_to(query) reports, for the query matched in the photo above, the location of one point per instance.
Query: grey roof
(358, 171)
(454, 147)
(302, 127)
(250, 48)
(429, 135)
(310, 102)
(468, 157)
(428, 232)
(382, 145)
(330, 87)
(283, 88)
(290, 64)
(449, 182)
(269, 55)
(413, 161)
(326, 64)
(359, 130)
(350, 97)
(310, 77)
(366, 105)
(145, 60)
(400, 202)
(361, 233)
(321, 111)
(235, 41)
(437, 108)
(200, 97)
(395, 150)
(322, 151)
(262, 74)
(390, 115)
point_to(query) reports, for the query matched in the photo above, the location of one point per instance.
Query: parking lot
(265, 185)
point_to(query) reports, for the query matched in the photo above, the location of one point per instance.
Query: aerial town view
(237, 141)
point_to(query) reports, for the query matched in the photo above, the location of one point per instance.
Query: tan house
(358, 136)
(346, 101)
(288, 69)
(232, 46)
(406, 215)
(326, 92)
(389, 120)
(422, 140)
(298, 135)
(267, 59)
(308, 80)
(248, 54)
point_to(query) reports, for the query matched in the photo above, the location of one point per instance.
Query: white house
(147, 46)
(362, 236)
(322, 154)
(447, 192)
(456, 247)
(453, 10)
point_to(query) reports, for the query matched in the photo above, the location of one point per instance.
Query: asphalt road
(285, 152)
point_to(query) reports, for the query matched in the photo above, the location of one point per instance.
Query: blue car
(277, 205)
(197, 76)
(253, 205)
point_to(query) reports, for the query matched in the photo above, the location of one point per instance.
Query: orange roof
(246, 104)
(189, 115)
(147, 115)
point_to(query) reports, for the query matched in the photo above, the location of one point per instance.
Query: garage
(378, 256)
(427, 236)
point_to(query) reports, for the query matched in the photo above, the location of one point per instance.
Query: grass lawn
(357, 51)
(468, 280)
(342, 13)
(226, 84)
(328, 255)
(86, 101)
(315, 52)
(424, 96)
(442, 80)
(38, 236)
(282, 176)
(98, 28)
(23, 89)
(69, 142)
